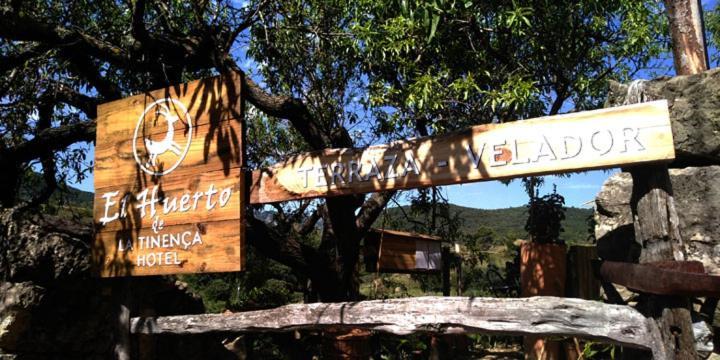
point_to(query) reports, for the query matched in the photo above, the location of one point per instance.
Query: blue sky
(579, 190)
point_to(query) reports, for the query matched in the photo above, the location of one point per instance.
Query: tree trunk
(9, 181)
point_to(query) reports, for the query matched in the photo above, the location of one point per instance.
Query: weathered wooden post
(446, 271)
(688, 37)
(459, 279)
(581, 281)
(122, 294)
(653, 208)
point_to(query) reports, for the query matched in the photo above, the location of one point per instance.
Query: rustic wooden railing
(549, 316)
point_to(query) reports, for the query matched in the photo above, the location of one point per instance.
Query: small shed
(395, 251)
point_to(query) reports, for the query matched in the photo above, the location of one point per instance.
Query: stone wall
(697, 199)
(694, 103)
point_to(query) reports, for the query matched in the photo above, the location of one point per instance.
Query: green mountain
(507, 223)
(66, 201)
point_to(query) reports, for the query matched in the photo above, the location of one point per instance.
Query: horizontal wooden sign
(612, 137)
(169, 190)
(401, 252)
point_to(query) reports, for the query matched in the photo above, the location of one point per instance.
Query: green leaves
(433, 26)
(516, 93)
(455, 63)
(517, 19)
(712, 25)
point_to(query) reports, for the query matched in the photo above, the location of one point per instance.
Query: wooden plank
(397, 253)
(661, 280)
(211, 204)
(407, 234)
(169, 185)
(548, 316)
(581, 279)
(209, 100)
(603, 138)
(185, 248)
(211, 148)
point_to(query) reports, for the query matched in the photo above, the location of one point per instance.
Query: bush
(545, 216)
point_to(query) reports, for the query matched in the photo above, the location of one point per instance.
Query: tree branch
(287, 108)
(558, 103)
(53, 139)
(20, 27)
(248, 20)
(45, 112)
(67, 95)
(294, 110)
(16, 59)
(139, 31)
(371, 210)
(308, 225)
(84, 67)
(284, 249)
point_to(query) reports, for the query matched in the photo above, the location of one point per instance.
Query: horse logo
(171, 112)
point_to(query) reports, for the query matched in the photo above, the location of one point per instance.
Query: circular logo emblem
(162, 136)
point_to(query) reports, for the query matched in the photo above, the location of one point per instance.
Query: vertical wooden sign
(169, 190)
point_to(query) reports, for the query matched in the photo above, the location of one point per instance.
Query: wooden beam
(688, 39)
(595, 139)
(549, 316)
(653, 279)
(121, 329)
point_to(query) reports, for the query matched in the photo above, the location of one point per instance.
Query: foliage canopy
(319, 74)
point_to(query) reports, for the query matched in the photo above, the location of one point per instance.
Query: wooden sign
(169, 193)
(394, 251)
(596, 139)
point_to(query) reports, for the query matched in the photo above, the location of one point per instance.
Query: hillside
(509, 222)
(66, 201)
